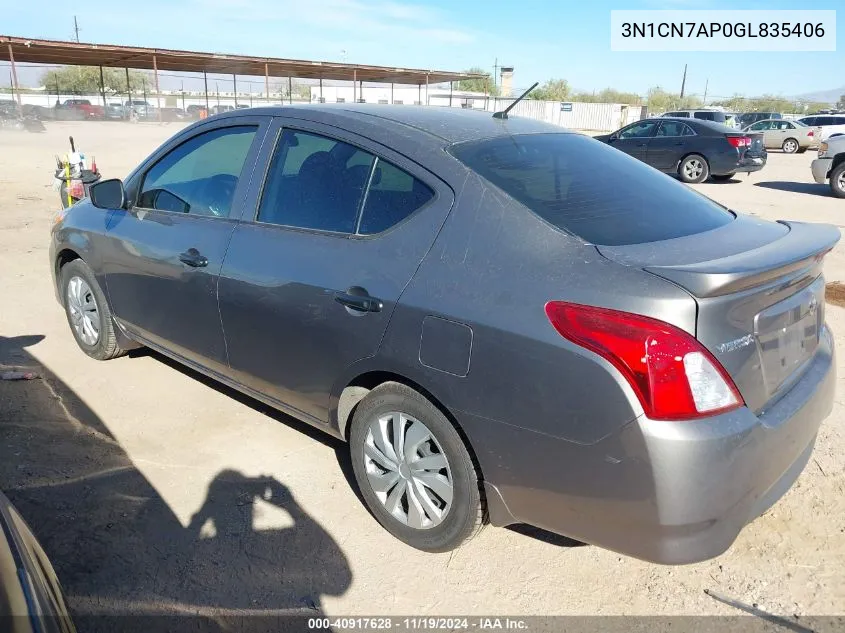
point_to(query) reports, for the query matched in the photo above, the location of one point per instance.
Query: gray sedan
(496, 333)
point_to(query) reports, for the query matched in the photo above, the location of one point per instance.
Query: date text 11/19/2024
(430, 623)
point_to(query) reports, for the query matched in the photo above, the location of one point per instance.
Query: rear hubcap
(841, 181)
(693, 168)
(82, 307)
(408, 470)
(790, 146)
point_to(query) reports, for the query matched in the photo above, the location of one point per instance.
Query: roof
(452, 125)
(110, 55)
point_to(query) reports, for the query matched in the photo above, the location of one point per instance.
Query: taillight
(673, 375)
(739, 141)
(810, 133)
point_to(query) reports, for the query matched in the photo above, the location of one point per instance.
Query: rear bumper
(666, 492)
(821, 168)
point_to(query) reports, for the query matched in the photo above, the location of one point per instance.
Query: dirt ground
(154, 489)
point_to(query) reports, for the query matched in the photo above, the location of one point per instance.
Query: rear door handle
(359, 303)
(193, 258)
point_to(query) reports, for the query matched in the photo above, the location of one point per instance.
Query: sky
(541, 40)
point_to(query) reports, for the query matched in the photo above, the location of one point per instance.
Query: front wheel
(413, 469)
(790, 146)
(837, 180)
(693, 169)
(88, 312)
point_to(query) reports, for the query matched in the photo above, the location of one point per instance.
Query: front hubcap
(408, 470)
(841, 180)
(84, 315)
(693, 169)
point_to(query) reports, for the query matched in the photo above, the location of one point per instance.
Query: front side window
(759, 126)
(201, 175)
(643, 129)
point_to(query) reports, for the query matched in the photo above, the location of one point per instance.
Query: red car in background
(79, 109)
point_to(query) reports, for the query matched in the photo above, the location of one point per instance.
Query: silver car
(496, 333)
(790, 136)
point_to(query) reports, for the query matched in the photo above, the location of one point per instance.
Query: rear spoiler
(803, 246)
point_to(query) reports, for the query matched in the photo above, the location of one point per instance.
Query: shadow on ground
(811, 188)
(120, 551)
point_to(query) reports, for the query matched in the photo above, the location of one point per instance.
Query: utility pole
(706, 84)
(684, 81)
(76, 29)
(495, 72)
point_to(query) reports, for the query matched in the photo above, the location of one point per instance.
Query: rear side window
(315, 182)
(393, 195)
(674, 128)
(591, 190)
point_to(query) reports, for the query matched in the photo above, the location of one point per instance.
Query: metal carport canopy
(26, 50)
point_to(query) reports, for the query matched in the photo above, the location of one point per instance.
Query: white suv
(830, 165)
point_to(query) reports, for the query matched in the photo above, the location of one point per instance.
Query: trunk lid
(759, 291)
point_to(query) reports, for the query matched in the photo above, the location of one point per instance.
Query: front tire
(837, 180)
(694, 169)
(414, 470)
(790, 146)
(88, 312)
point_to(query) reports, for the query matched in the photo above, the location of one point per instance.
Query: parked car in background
(827, 124)
(219, 109)
(790, 136)
(748, 118)
(716, 116)
(651, 379)
(173, 114)
(31, 598)
(242, 106)
(79, 109)
(116, 112)
(830, 165)
(142, 109)
(194, 111)
(691, 148)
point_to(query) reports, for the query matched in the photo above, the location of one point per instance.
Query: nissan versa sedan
(507, 322)
(690, 148)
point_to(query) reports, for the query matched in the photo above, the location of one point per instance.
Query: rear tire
(88, 312)
(801, 150)
(837, 180)
(723, 177)
(694, 169)
(437, 522)
(790, 146)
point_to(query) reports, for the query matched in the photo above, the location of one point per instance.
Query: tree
(840, 105)
(484, 83)
(552, 90)
(86, 79)
(660, 100)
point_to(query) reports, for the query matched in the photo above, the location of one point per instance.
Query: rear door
(328, 241)
(669, 144)
(164, 254)
(633, 139)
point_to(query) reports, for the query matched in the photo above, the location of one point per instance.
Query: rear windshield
(590, 189)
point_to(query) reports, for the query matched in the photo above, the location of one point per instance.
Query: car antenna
(504, 113)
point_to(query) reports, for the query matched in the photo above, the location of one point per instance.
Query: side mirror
(108, 194)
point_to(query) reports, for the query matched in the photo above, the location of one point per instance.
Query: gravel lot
(144, 481)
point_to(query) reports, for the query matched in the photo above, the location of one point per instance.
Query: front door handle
(193, 258)
(359, 302)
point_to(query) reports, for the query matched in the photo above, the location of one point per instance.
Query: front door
(166, 250)
(316, 266)
(634, 139)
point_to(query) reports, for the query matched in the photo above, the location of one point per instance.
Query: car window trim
(261, 125)
(278, 127)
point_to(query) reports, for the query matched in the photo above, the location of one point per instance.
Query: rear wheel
(88, 312)
(837, 180)
(694, 168)
(723, 177)
(413, 469)
(790, 146)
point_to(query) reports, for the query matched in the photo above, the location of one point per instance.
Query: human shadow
(250, 559)
(811, 188)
